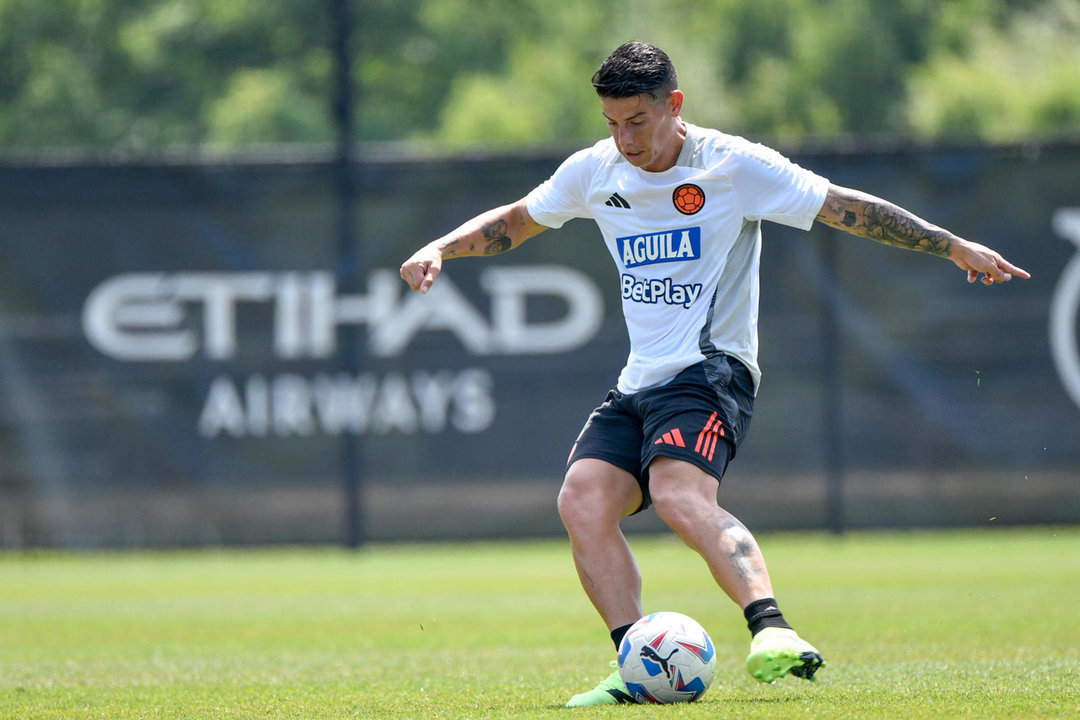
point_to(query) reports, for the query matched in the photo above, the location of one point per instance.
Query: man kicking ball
(680, 210)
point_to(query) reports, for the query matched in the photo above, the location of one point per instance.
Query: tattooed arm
(493, 232)
(871, 217)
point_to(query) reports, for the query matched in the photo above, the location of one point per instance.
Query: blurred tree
(144, 73)
(138, 74)
(1005, 82)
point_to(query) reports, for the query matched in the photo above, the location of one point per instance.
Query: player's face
(649, 134)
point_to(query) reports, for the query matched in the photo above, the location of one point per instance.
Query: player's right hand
(422, 268)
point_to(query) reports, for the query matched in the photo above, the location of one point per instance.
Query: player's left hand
(980, 260)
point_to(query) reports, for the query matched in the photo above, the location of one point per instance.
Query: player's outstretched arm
(490, 233)
(871, 217)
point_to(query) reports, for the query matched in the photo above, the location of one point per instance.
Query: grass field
(914, 625)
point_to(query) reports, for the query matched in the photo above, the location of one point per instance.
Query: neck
(674, 147)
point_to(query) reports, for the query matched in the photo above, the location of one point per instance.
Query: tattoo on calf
(497, 239)
(743, 553)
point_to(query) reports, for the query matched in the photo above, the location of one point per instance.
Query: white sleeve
(771, 187)
(562, 196)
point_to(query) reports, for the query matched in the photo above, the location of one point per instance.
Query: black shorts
(700, 416)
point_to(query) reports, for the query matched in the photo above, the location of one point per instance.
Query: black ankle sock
(764, 613)
(618, 633)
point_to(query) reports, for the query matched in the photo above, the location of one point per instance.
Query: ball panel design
(667, 657)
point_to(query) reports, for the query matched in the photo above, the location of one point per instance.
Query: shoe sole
(768, 665)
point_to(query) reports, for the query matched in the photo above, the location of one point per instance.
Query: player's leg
(594, 498)
(684, 496)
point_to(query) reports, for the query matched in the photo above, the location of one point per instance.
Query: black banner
(171, 344)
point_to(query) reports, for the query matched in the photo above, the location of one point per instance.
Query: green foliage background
(138, 74)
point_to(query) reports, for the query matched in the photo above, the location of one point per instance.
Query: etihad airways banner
(187, 351)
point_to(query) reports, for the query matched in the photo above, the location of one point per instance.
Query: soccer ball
(666, 657)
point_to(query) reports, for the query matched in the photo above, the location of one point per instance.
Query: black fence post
(342, 17)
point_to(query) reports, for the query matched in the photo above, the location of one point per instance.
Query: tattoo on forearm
(496, 237)
(450, 248)
(876, 219)
(453, 248)
(893, 226)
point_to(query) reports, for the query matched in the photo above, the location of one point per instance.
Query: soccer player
(680, 209)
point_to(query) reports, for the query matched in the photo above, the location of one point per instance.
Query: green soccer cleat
(774, 652)
(610, 691)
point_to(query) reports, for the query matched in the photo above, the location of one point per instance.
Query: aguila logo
(688, 198)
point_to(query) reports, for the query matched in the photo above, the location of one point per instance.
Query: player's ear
(674, 102)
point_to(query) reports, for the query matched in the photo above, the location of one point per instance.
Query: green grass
(913, 625)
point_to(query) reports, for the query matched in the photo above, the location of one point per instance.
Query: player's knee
(681, 504)
(682, 495)
(590, 499)
(677, 508)
(575, 496)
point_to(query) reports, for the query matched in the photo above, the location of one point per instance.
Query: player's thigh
(604, 473)
(673, 478)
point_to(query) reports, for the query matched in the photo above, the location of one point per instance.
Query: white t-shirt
(689, 277)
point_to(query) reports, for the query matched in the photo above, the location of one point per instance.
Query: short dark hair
(635, 68)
